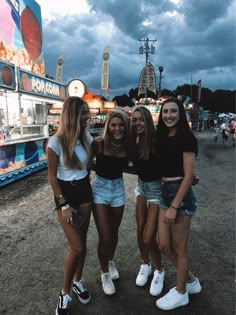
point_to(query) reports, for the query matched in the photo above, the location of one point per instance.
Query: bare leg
(173, 239)
(180, 235)
(116, 216)
(149, 236)
(141, 217)
(84, 229)
(164, 238)
(107, 221)
(77, 242)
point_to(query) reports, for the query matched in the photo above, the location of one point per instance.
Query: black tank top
(110, 167)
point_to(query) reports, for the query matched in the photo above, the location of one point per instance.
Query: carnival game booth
(97, 106)
(24, 101)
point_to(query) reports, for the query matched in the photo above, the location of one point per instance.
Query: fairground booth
(25, 93)
(30, 103)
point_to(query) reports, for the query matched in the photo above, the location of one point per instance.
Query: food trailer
(25, 92)
(24, 101)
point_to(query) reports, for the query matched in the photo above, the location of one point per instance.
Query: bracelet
(65, 207)
(174, 207)
(61, 205)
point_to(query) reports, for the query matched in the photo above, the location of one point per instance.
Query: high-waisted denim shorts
(168, 192)
(76, 192)
(151, 191)
(109, 191)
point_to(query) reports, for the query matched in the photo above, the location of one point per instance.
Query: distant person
(147, 193)
(233, 131)
(68, 158)
(177, 148)
(216, 131)
(111, 151)
(224, 133)
(211, 123)
(200, 126)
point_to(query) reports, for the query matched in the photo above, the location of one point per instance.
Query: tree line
(222, 101)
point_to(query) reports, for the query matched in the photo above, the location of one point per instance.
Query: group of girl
(163, 158)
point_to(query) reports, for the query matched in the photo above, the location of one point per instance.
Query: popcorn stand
(30, 103)
(23, 121)
(25, 92)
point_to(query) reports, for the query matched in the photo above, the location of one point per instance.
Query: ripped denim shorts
(169, 190)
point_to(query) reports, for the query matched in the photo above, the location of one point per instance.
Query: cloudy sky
(194, 38)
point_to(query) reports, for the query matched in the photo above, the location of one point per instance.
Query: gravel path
(33, 247)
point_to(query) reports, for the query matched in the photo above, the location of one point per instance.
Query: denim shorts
(151, 191)
(168, 193)
(109, 191)
(76, 192)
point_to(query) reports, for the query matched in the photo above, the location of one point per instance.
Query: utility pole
(191, 89)
(160, 78)
(147, 50)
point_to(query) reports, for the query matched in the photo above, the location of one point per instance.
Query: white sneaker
(144, 273)
(194, 287)
(113, 271)
(157, 282)
(172, 299)
(107, 284)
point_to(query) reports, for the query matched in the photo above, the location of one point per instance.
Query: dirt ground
(33, 247)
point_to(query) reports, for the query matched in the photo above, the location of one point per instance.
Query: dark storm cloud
(76, 40)
(194, 38)
(202, 14)
(129, 15)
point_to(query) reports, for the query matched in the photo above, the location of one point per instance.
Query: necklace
(116, 145)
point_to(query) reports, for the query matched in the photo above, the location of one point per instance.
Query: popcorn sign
(45, 87)
(37, 85)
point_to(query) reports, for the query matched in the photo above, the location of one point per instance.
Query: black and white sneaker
(63, 304)
(81, 292)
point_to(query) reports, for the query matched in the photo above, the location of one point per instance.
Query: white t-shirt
(63, 172)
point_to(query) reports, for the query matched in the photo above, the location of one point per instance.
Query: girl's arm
(188, 165)
(53, 161)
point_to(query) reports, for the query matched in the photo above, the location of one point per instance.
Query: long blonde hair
(70, 131)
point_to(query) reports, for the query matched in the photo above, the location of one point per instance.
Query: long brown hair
(149, 132)
(70, 131)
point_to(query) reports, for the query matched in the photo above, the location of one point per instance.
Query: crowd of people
(163, 160)
(224, 129)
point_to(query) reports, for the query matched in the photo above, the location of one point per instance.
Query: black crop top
(110, 167)
(147, 170)
(171, 157)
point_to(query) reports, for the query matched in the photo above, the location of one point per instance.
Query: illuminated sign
(76, 88)
(94, 104)
(108, 104)
(32, 84)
